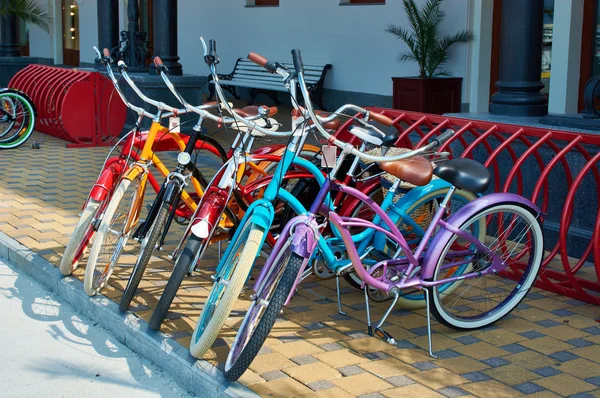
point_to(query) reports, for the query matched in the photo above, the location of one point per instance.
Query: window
(260, 3)
(361, 2)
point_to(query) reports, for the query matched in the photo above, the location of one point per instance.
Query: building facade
(349, 34)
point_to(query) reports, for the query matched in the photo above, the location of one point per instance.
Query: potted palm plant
(28, 10)
(433, 91)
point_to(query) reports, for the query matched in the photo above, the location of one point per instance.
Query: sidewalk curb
(191, 374)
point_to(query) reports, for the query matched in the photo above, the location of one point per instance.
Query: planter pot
(437, 95)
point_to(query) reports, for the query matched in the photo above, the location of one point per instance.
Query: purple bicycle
(474, 267)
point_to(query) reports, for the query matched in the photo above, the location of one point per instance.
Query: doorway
(70, 32)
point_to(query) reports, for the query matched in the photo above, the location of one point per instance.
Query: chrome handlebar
(348, 148)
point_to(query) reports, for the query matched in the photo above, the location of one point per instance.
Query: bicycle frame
(307, 236)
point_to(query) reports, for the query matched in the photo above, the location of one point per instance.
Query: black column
(9, 47)
(521, 60)
(165, 34)
(108, 24)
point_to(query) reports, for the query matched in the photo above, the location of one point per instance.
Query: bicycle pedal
(385, 336)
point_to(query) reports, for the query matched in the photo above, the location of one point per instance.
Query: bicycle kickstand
(431, 354)
(339, 295)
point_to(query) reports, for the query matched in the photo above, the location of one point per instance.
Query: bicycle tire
(234, 371)
(471, 322)
(147, 248)
(23, 133)
(6, 104)
(89, 285)
(82, 232)
(202, 340)
(180, 270)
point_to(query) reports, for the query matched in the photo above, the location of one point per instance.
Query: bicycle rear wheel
(266, 306)
(235, 269)
(514, 233)
(112, 236)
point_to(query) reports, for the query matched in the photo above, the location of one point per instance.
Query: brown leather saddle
(416, 170)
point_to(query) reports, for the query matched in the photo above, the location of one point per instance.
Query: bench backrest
(248, 70)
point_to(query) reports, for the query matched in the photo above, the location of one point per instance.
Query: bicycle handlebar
(290, 81)
(106, 60)
(298, 64)
(383, 119)
(201, 110)
(211, 59)
(159, 104)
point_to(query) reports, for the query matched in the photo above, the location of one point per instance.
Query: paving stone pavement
(548, 347)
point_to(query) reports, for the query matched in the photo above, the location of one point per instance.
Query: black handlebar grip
(298, 64)
(271, 67)
(212, 47)
(444, 137)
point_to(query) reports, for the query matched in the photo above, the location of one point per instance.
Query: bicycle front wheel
(514, 234)
(266, 306)
(147, 248)
(111, 237)
(235, 268)
(80, 238)
(193, 250)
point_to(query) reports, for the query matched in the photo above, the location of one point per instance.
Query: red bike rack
(77, 106)
(527, 161)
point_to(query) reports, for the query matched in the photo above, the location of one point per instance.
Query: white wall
(49, 45)
(41, 43)
(88, 30)
(351, 38)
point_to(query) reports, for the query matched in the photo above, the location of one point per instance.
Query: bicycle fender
(440, 239)
(108, 180)
(262, 214)
(303, 240)
(208, 214)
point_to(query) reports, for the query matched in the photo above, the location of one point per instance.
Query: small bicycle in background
(17, 118)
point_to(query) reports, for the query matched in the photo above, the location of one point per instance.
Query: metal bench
(247, 74)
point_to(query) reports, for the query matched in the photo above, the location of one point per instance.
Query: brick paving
(548, 347)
